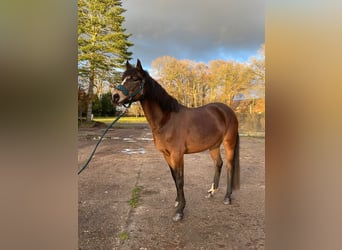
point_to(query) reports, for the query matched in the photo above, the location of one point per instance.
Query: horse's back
(221, 106)
(223, 111)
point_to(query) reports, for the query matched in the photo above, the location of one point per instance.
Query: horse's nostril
(115, 98)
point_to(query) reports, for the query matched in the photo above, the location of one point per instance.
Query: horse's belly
(200, 148)
(191, 142)
(202, 144)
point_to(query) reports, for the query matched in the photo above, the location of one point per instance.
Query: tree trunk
(230, 99)
(90, 96)
(80, 116)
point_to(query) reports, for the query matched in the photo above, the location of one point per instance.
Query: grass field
(121, 120)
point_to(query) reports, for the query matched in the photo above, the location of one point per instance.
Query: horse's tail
(236, 164)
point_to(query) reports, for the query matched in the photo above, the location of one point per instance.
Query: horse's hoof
(177, 217)
(209, 195)
(227, 201)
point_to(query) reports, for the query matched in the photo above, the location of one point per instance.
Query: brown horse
(178, 130)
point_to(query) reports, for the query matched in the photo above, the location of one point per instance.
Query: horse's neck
(153, 113)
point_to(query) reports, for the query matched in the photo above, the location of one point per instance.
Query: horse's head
(132, 86)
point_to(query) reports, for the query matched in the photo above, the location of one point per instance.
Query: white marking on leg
(211, 191)
(176, 204)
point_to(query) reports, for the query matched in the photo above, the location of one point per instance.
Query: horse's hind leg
(229, 150)
(216, 156)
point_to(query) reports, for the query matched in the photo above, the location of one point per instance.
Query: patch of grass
(123, 236)
(91, 124)
(85, 124)
(121, 120)
(135, 197)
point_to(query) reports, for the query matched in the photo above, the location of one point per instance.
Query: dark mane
(154, 91)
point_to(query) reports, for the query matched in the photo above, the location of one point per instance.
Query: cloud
(197, 30)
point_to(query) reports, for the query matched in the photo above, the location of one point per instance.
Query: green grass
(121, 120)
(123, 236)
(135, 197)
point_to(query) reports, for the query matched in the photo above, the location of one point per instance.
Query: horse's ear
(128, 65)
(139, 67)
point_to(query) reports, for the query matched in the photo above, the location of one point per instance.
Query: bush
(97, 106)
(103, 106)
(107, 106)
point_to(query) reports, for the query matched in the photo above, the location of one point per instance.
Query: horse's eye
(135, 78)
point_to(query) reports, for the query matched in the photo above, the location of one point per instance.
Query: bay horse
(178, 130)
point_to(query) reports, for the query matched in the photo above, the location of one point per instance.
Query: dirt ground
(127, 159)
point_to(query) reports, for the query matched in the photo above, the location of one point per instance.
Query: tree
(258, 68)
(176, 76)
(232, 78)
(82, 102)
(164, 69)
(106, 104)
(96, 106)
(195, 84)
(201, 84)
(102, 42)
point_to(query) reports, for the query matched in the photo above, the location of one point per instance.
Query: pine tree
(102, 41)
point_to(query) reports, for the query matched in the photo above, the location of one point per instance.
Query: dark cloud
(199, 30)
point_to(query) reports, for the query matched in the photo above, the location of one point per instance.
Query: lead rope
(111, 125)
(127, 106)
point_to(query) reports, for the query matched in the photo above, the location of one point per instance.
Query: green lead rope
(92, 154)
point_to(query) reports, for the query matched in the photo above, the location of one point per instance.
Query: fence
(251, 124)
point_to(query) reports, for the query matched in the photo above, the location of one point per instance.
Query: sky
(198, 30)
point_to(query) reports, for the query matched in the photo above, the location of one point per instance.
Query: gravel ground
(127, 160)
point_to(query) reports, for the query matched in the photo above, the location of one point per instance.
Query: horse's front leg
(174, 176)
(176, 164)
(180, 200)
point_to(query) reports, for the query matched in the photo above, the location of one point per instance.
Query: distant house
(254, 105)
(253, 102)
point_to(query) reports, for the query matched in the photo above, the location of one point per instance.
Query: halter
(124, 90)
